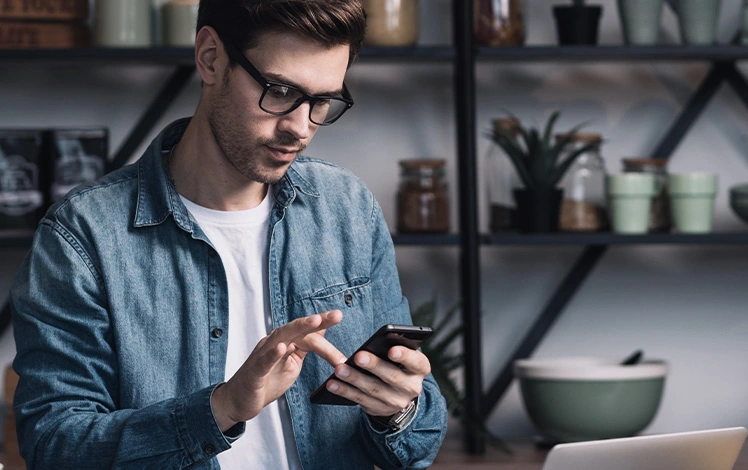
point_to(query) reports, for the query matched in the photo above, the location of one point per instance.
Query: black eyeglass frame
(241, 59)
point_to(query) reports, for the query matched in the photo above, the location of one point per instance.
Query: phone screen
(378, 344)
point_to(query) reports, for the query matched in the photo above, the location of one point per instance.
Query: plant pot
(577, 25)
(697, 20)
(640, 21)
(692, 201)
(538, 211)
(630, 201)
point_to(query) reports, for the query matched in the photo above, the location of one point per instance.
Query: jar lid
(510, 125)
(422, 163)
(636, 162)
(583, 137)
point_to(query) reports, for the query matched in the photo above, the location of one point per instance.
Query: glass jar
(659, 218)
(391, 22)
(584, 205)
(498, 23)
(501, 181)
(422, 199)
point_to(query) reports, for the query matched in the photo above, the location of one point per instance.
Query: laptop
(714, 449)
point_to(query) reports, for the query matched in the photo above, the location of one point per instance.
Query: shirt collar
(158, 198)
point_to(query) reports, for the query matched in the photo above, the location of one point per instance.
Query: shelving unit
(723, 60)
(464, 57)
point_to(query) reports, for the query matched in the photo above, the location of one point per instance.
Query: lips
(286, 155)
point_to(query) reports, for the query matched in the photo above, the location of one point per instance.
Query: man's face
(259, 145)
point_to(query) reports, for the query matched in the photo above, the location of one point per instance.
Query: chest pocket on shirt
(350, 295)
(353, 298)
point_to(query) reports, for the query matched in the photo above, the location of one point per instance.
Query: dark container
(577, 26)
(538, 211)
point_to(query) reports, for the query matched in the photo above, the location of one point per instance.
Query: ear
(210, 56)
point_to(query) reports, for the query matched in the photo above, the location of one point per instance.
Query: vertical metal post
(464, 76)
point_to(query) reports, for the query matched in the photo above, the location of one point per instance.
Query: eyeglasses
(279, 98)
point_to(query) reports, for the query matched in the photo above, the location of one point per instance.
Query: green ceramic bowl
(582, 398)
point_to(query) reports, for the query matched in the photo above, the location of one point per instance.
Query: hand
(273, 367)
(392, 387)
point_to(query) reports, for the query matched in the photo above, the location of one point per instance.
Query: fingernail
(334, 387)
(396, 354)
(310, 319)
(363, 359)
(344, 371)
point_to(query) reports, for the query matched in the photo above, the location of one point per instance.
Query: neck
(203, 175)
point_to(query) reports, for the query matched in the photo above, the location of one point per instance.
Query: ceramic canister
(122, 23)
(179, 19)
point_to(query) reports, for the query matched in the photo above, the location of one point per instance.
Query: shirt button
(209, 448)
(217, 333)
(348, 299)
(211, 252)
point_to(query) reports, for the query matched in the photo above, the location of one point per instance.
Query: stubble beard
(243, 152)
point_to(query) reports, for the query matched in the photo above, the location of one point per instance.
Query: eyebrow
(285, 81)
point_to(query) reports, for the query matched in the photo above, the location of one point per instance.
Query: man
(166, 314)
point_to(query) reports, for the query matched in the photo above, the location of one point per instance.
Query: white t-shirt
(240, 238)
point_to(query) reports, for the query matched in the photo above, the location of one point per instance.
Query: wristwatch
(402, 417)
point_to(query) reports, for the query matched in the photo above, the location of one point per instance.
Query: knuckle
(402, 403)
(392, 376)
(373, 389)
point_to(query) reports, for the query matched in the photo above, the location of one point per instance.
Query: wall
(681, 303)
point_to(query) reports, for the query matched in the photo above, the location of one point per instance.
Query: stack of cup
(692, 201)
(630, 201)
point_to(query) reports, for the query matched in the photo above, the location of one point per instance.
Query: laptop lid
(714, 449)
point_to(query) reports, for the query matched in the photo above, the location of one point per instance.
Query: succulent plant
(540, 162)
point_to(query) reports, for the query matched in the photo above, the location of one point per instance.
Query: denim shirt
(120, 314)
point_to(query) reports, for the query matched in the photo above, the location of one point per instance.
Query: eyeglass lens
(280, 99)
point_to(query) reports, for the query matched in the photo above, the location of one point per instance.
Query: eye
(277, 91)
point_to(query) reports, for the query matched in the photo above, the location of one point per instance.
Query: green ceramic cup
(630, 201)
(692, 201)
(579, 399)
(697, 20)
(640, 21)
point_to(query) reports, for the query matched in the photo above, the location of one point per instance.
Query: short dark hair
(328, 22)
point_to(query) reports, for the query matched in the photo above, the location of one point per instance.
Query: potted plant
(577, 24)
(445, 361)
(540, 164)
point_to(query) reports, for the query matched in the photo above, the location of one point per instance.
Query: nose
(297, 122)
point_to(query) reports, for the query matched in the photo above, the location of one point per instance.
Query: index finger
(317, 343)
(299, 328)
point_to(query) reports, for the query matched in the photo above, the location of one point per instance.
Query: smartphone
(378, 344)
